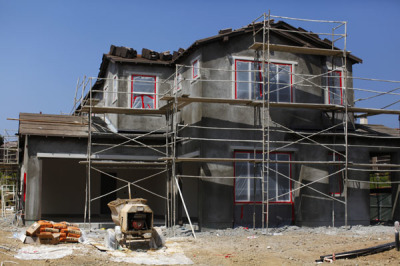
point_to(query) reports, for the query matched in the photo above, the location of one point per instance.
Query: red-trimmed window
(334, 87)
(336, 181)
(143, 92)
(249, 81)
(196, 69)
(249, 190)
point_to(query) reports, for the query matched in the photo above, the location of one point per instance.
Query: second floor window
(143, 92)
(249, 81)
(196, 69)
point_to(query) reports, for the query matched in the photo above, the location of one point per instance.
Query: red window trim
(341, 87)
(24, 187)
(194, 62)
(141, 95)
(250, 61)
(259, 202)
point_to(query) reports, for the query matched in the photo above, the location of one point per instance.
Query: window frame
(250, 201)
(328, 88)
(105, 95)
(114, 89)
(178, 82)
(195, 61)
(291, 64)
(131, 92)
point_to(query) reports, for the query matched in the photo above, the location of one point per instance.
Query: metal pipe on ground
(357, 253)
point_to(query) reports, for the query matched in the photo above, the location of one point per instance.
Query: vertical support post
(174, 130)
(167, 121)
(263, 211)
(90, 153)
(346, 102)
(254, 169)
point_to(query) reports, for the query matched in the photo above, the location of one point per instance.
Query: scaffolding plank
(233, 160)
(124, 163)
(120, 110)
(9, 166)
(298, 49)
(246, 102)
(320, 106)
(52, 118)
(208, 100)
(372, 111)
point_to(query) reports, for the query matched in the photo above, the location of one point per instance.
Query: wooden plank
(24, 129)
(44, 117)
(298, 49)
(372, 111)
(326, 107)
(54, 127)
(59, 129)
(214, 160)
(124, 163)
(59, 133)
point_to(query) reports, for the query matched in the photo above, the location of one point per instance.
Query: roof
(309, 39)
(127, 55)
(53, 125)
(138, 60)
(296, 35)
(378, 130)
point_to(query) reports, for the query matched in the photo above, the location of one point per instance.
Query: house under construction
(253, 127)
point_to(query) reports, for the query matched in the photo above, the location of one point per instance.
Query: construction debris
(52, 233)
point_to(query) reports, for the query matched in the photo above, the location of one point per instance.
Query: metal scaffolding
(175, 101)
(9, 169)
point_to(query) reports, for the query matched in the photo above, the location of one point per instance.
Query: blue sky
(47, 45)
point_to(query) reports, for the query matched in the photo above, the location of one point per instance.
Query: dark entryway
(108, 184)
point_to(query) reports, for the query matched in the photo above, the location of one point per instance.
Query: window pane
(243, 77)
(242, 169)
(283, 83)
(148, 101)
(335, 91)
(282, 177)
(137, 101)
(241, 190)
(196, 70)
(143, 84)
(272, 182)
(143, 92)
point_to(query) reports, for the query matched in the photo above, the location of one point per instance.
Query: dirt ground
(240, 246)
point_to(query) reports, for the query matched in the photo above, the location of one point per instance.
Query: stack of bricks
(54, 233)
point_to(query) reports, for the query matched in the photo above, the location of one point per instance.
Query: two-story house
(250, 132)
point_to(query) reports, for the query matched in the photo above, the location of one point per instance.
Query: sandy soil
(240, 246)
